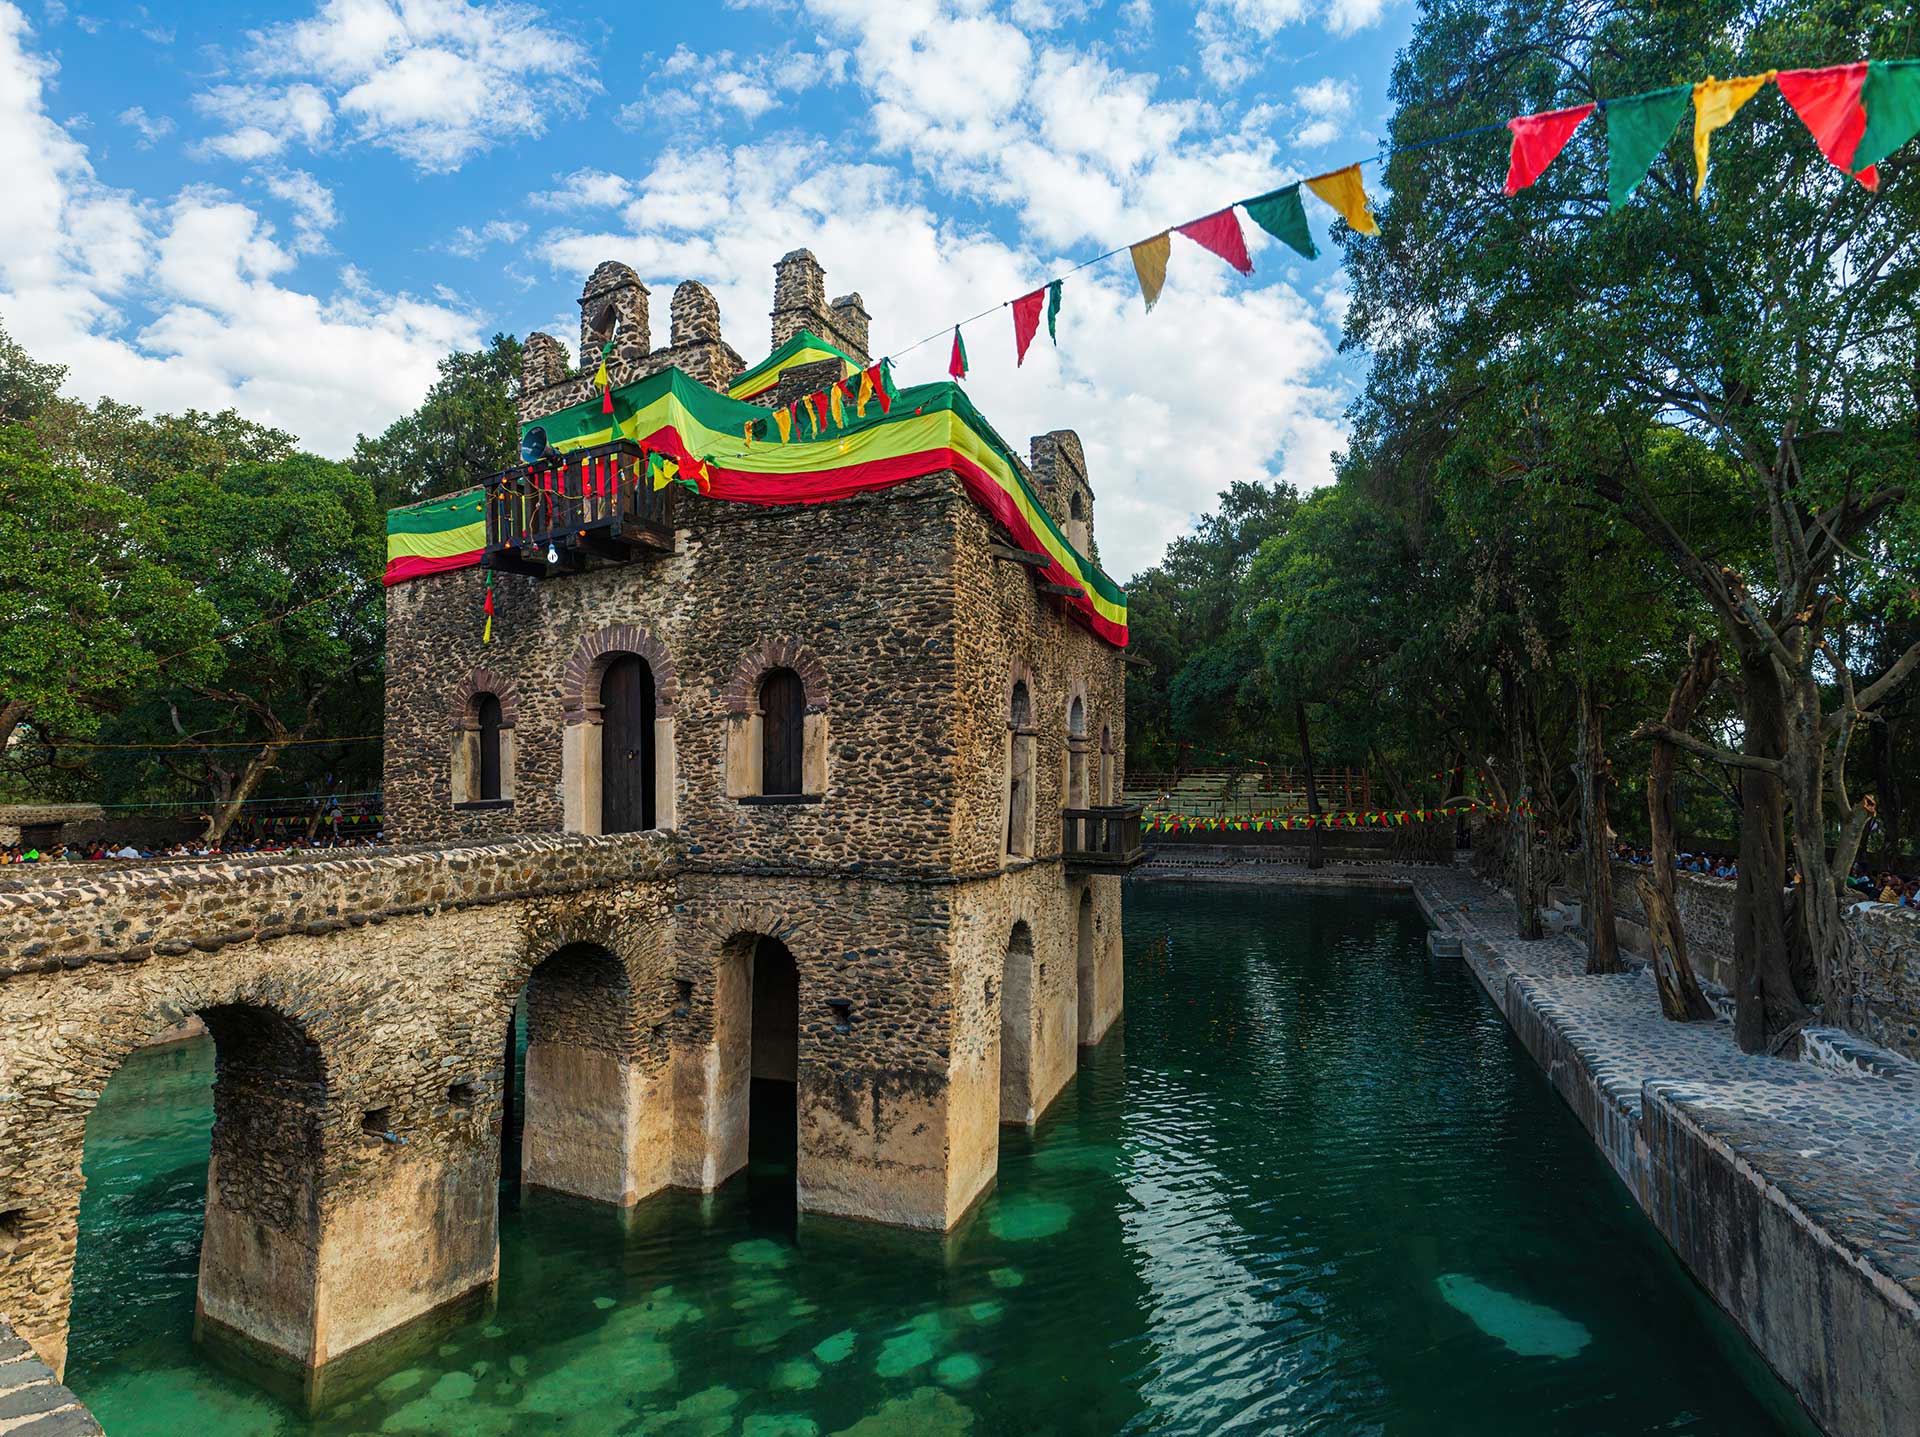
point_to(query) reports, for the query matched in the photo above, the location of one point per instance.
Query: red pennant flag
(1026, 322)
(1828, 101)
(879, 378)
(1220, 232)
(819, 402)
(957, 361)
(1537, 141)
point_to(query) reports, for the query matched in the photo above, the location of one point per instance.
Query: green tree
(465, 429)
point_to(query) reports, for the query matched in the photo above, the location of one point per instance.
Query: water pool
(1312, 1185)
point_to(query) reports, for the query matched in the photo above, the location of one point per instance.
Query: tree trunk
(1680, 995)
(1520, 823)
(13, 713)
(1603, 943)
(224, 812)
(1765, 1003)
(1314, 859)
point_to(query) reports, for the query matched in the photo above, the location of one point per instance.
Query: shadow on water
(1315, 1186)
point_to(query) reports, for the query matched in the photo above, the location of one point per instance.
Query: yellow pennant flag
(1715, 102)
(1150, 264)
(833, 404)
(866, 393)
(749, 433)
(1342, 189)
(783, 421)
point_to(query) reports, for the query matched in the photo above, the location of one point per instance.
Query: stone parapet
(133, 913)
(32, 1401)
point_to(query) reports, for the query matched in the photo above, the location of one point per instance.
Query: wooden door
(783, 710)
(626, 746)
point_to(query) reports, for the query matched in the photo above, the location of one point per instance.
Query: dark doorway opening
(626, 746)
(773, 1106)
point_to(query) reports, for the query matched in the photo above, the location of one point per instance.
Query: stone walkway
(1838, 1133)
(32, 1403)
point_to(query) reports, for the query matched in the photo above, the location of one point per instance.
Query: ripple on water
(836, 1347)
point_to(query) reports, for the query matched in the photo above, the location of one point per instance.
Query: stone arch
(1016, 1027)
(484, 681)
(613, 310)
(583, 712)
(1017, 764)
(281, 1114)
(580, 678)
(753, 734)
(1019, 675)
(1074, 778)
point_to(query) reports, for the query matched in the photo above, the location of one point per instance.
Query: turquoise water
(1314, 1186)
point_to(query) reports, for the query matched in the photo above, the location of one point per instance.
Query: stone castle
(804, 809)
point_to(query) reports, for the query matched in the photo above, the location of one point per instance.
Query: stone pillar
(613, 307)
(850, 325)
(1103, 1005)
(799, 296)
(711, 1071)
(543, 362)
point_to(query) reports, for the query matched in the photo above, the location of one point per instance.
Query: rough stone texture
(1882, 964)
(32, 1401)
(800, 303)
(348, 999)
(62, 817)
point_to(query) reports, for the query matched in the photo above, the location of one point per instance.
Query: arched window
(1019, 771)
(783, 714)
(487, 708)
(1106, 765)
(1077, 753)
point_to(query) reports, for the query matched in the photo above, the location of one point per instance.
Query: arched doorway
(588, 1123)
(201, 1158)
(773, 1106)
(626, 746)
(1016, 1029)
(1083, 966)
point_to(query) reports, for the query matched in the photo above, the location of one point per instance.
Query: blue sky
(297, 209)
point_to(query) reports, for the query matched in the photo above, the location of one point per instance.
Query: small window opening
(13, 1227)
(783, 717)
(377, 1122)
(487, 711)
(682, 997)
(842, 1009)
(464, 1094)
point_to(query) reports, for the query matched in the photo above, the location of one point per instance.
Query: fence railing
(1106, 838)
(593, 500)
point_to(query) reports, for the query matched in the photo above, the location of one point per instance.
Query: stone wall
(32, 1401)
(1883, 960)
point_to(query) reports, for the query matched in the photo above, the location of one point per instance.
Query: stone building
(862, 718)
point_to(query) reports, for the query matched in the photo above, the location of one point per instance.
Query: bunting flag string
(1278, 823)
(1858, 115)
(1538, 141)
(1715, 103)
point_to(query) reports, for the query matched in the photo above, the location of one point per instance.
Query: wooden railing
(596, 501)
(1107, 839)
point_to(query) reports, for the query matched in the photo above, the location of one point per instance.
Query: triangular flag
(1280, 214)
(1343, 190)
(882, 386)
(1220, 232)
(1026, 323)
(864, 393)
(1715, 102)
(1150, 266)
(486, 607)
(1537, 141)
(833, 402)
(1828, 103)
(663, 470)
(957, 361)
(1638, 128)
(1053, 310)
(749, 433)
(819, 402)
(605, 381)
(1891, 98)
(783, 421)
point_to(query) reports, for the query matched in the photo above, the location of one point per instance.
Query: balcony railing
(1102, 840)
(552, 516)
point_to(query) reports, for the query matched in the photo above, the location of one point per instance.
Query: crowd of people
(100, 851)
(1867, 886)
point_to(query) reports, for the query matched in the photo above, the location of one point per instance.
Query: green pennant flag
(1281, 215)
(1053, 310)
(1638, 128)
(1891, 98)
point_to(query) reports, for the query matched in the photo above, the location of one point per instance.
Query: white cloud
(1328, 104)
(179, 303)
(722, 91)
(583, 190)
(468, 243)
(1231, 32)
(1249, 367)
(437, 81)
(150, 127)
(312, 202)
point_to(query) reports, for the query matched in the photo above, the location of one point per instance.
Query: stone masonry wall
(864, 585)
(1884, 957)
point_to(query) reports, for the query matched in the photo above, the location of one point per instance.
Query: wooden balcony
(1101, 840)
(554, 516)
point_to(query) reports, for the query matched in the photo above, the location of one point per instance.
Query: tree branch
(1725, 756)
